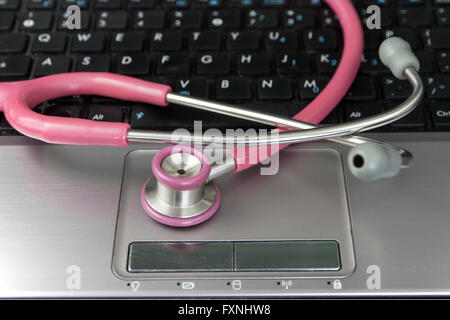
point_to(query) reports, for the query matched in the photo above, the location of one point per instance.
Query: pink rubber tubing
(17, 99)
(336, 89)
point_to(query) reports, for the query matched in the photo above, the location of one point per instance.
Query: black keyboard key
(173, 117)
(376, 2)
(309, 3)
(310, 87)
(242, 3)
(191, 19)
(328, 18)
(88, 42)
(141, 4)
(244, 40)
(262, 19)
(127, 41)
(85, 21)
(299, 19)
(13, 42)
(293, 63)
(320, 39)
(396, 89)
(108, 4)
(281, 40)
(149, 20)
(36, 20)
(105, 113)
(17, 65)
(363, 88)
(112, 20)
(166, 41)
(371, 64)
(327, 62)
(6, 20)
(133, 64)
(414, 17)
(359, 111)
(175, 63)
(198, 88)
(64, 110)
(255, 63)
(206, 40)
(371, 39)
(176, 4)
(41, 4)
(48, 65)
(332, 118)
(9, 4)
(5, 127)
(438, 87)
(209, 4)
(92, 63)
(426, 59)
(225, 19)
(216, 63)
(233, 89)
(274, 89)
(275, 3)
(441, 2)
(49, 42)
(413, 120)
(437, 38)
(443, 60)
(440, 114)
(142, 117)
(411, 2)
(442, 16)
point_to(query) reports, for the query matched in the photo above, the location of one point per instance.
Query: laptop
(71, 222)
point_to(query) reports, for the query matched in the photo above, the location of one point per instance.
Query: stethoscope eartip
(374, 161)
(397, 55)
(179, 194)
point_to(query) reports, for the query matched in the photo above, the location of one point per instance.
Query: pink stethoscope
(182, 191)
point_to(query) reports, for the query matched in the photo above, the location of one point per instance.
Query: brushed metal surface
(295, 204)
(58, 208)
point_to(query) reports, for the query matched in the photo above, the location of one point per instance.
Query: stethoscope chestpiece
(179, 193)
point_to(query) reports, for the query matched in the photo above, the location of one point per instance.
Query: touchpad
(288, 218)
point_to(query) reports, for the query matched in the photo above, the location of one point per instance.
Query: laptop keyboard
(269, 55)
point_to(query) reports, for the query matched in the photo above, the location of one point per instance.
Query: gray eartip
(373, 161)
(397, 55)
